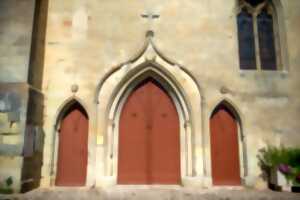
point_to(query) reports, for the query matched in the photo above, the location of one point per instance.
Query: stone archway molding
(63, 108)
(148, 44)
(117, 84)
(234, 109)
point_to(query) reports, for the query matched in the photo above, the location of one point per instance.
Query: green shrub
(273, 156)
(287, 160)
(5, 188)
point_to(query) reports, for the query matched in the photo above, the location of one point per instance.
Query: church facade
(103, 93)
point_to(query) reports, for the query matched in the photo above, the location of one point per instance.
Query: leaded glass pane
(266, 41)
(246, 40)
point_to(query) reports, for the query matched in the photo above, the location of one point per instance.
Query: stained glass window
(246, 40)
(266, 41)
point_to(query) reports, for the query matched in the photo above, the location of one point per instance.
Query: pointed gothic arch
(179, 83)
(154, 70)
(148, 54)
(150, 103)
(267, 41)
(235, 114)
(67, 107)
(128, 85)
(228, 103)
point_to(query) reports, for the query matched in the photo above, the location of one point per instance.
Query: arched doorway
(149, 143)
(72, 147)
(224, 127)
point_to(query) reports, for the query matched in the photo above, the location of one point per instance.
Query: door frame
(183, 114)
(241, 140)
(166, 95)
(55, 145)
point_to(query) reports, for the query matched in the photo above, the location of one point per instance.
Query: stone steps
(131, 193)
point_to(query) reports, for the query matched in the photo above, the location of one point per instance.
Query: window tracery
(259, 45)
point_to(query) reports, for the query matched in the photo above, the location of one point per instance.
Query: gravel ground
(118, 193)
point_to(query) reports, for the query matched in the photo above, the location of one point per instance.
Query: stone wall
(12, 126)
(36, 67)
(32, 164)
(15, 36)
(21, 101)
(86, 40)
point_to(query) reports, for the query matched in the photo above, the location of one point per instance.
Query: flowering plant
(285, 169)
(292, 174)
(285, 160)
(298, 178)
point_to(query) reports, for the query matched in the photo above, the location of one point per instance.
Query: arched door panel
(73, 148)
(149, 151)
(224, 148)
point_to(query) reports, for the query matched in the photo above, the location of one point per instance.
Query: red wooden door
(224, 148)
(72, 149)
(149, 151)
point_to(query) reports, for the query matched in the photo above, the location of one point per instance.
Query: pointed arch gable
(234, 110)
(157, 72)
(224, 147)
(148, 81)
(71, 145)
(239, 117)
(149, 54)
(179, 83)
(231, 107)
(60, 113)
(119, 97)
(65, 106)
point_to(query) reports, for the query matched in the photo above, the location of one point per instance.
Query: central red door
(72, 149)
(149, 151)
(224, 148)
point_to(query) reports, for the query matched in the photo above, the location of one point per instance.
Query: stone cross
(150, 16)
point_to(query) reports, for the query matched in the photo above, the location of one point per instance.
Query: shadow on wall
(33, 143)
(36, 66)
(34, 135)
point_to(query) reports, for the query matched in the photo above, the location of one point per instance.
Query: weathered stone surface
(12, 129)
(16, 20)
(86, 40)
(151, 194)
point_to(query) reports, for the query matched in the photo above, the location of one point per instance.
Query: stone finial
(224, 90)
(150, 34)
(74, 88)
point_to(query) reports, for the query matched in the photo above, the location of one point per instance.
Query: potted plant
(282, 167)
(5, 188)
(297, 188)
